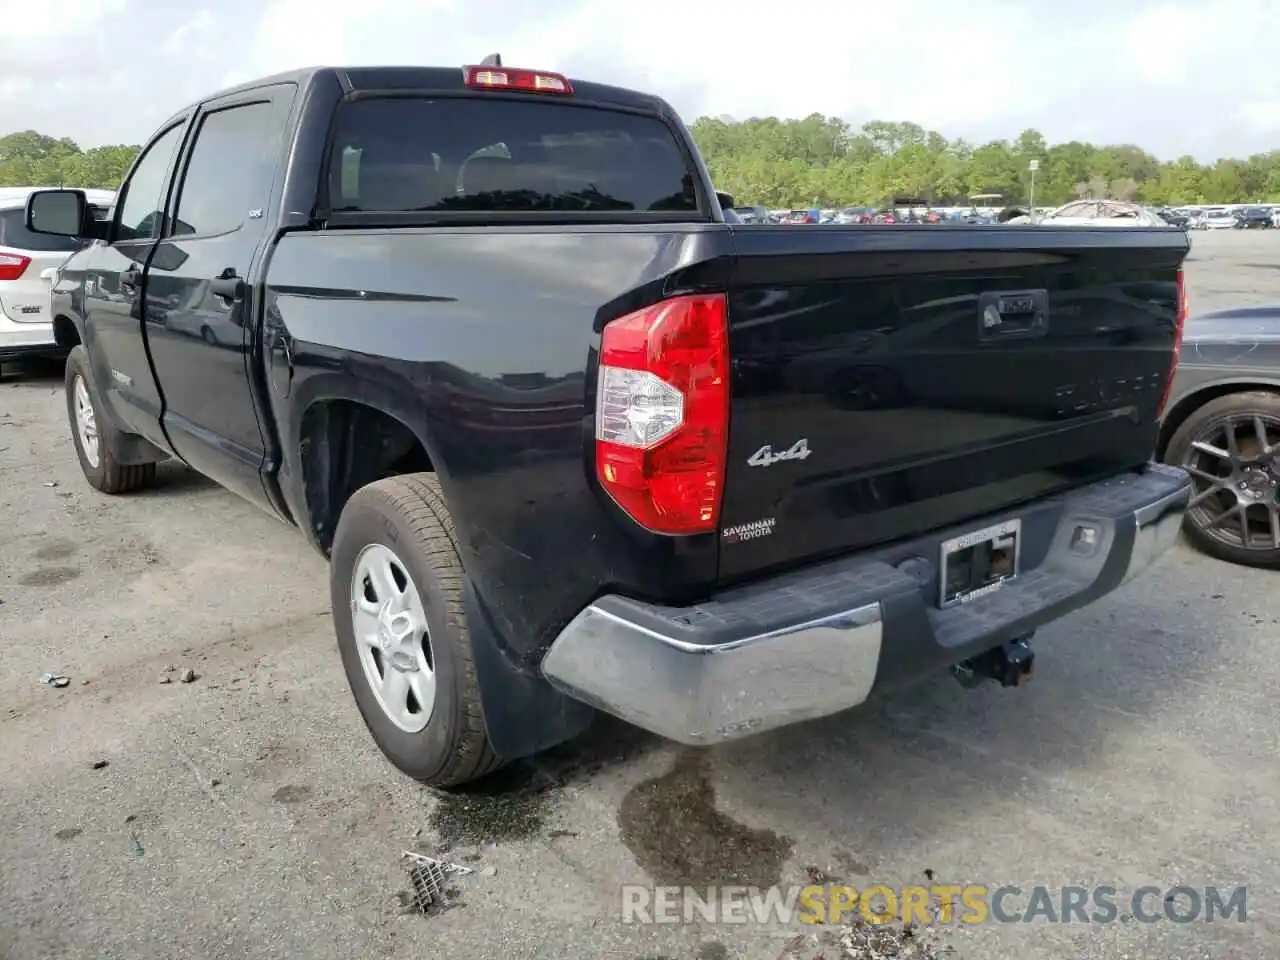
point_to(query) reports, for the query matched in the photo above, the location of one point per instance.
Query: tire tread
(417, 497)
(111, 476)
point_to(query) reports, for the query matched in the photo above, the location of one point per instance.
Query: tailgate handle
(1012, 313)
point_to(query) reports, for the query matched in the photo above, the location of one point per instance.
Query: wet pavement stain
(56, 550)
(291, 794)
(514, 803)
(509, 805)
(68, 833)
(712, 950)
(671, 826)
(49, 576)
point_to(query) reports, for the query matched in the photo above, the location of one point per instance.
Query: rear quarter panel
(1223, 352)
(483, 342)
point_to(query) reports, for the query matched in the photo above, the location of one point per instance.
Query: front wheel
(396, 588)
(94, 436)
(1231, 448)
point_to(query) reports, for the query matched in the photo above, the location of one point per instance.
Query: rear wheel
(94, 437)
(1231, 448)
(396, 588)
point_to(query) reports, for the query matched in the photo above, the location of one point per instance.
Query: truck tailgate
(890, 381)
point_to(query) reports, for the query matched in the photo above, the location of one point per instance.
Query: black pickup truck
(571, 442)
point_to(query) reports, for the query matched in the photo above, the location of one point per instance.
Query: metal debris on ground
(428, 877)
(860, 939)
(55, 680)
(867, 941)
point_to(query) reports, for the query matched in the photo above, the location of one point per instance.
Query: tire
(99, 465)
(406, 518)
(1206, 423)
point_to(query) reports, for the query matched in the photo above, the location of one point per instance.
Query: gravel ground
(246, 814)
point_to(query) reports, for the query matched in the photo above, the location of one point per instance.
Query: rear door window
(471, 155)
(229, 173)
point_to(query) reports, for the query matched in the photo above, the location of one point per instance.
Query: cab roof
(407, 79)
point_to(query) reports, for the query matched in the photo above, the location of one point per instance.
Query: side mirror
(726, 201)
(62, 213)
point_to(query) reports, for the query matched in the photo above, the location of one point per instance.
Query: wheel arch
(344, 443)
(1189, 403)
(523, 713)
(66, 332)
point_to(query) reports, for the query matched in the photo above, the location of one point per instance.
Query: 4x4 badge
(765, 457)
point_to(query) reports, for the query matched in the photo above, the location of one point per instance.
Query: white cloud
(678, 47)
(1262, 115)
(49, 19)
(1175, 76)
(194, 37)
(1176, 42)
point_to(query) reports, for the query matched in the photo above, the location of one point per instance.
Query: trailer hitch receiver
(1010, 665)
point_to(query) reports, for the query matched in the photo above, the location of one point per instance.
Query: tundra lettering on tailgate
(1074, 399)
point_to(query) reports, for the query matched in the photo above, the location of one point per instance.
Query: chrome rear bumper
(817, 642)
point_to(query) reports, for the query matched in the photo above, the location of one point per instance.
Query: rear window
(468, 155)
(14, 234)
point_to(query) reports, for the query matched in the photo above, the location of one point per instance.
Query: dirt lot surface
(248, 815)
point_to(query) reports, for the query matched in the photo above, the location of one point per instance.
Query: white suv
(27, 265)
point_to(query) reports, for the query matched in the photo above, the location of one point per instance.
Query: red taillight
(515, 78)
(1178, 323)
(662, 413)
(13, 265)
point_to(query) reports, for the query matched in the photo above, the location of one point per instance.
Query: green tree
(29, 158)
(783, 163)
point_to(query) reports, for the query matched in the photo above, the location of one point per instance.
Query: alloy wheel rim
(86, 420)
(392, 638)
(1235, 468)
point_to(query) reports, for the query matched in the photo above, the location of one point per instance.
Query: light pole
(1033, 166)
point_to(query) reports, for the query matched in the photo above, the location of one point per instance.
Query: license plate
(979, 563)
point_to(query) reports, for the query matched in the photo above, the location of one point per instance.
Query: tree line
(31, 159)
(828, 162)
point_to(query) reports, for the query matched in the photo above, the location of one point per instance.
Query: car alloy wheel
(86, 421)
(1233, 462)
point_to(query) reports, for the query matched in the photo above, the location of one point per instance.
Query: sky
(1199, 77)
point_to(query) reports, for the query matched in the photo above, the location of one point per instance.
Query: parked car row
(867, 215)
(1222, 218)
(1262, 217)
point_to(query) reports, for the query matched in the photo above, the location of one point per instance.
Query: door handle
(281, 370)
(283, 347)
(227, 286)
(1012, 313)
